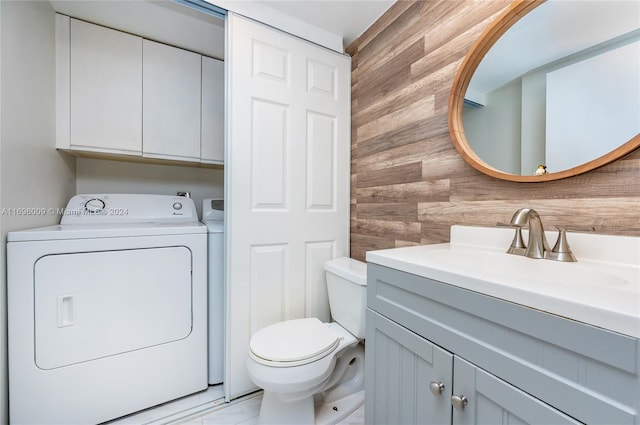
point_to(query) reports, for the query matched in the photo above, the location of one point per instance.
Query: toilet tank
(347, 288)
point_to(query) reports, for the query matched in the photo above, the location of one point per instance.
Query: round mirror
(550, 90)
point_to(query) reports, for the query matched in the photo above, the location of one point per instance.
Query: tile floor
(208, 408)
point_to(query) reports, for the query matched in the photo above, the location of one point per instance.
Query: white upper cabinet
(105, 89)
(171, 97)
(121, 94)
(212, 137)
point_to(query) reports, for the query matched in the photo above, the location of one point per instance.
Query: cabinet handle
(459, 401)
(436, 387)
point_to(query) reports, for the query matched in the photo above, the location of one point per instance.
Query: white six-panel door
(287, 182)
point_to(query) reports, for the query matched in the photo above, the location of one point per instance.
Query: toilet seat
(293, 342)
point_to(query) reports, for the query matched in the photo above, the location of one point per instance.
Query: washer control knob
(94, 206)
(177, 206)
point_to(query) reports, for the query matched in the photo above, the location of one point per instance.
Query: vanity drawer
(589, 373)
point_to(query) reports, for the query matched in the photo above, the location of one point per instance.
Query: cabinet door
(105, 89)
(171, 102)
(212, 138)
(493, 401)
(400, 367)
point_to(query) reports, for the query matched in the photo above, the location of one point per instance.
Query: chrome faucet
(537, 245)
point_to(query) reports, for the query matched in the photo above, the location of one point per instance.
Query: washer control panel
(129, 208)
(212, 209)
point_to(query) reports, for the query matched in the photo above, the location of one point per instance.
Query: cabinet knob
(436, 387)
(459, 401)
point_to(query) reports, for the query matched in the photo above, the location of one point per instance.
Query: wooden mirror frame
(496, 29)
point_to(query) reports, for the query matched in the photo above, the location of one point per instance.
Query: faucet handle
(561, 250)
(577, 229)
(501, 224)
(517, 246)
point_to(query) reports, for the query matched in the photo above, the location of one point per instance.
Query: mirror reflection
(560, 88)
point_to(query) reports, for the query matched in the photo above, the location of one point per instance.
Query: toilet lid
(296, 341)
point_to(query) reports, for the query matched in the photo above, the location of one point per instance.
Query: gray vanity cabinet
(412, 381)
(399, 367)
(511, 363)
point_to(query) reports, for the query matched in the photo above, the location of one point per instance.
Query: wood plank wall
(408, 183)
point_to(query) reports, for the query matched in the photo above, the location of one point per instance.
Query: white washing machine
(108, 310)
(213, 218)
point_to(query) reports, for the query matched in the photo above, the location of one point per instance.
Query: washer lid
(108, 230)
(294, 341)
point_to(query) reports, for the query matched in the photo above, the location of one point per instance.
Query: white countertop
(601, 289)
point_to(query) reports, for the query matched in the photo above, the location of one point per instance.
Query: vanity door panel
(400, 367)
(493, 401)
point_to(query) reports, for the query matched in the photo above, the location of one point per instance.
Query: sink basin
(601, 289)
(519, 270)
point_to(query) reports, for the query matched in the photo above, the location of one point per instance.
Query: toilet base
(325, 412)
(333, 412)
(274, 411)
(344, 394)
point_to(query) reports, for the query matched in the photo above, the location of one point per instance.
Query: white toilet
(313, 372)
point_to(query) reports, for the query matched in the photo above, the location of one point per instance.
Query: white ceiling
(346, 18)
